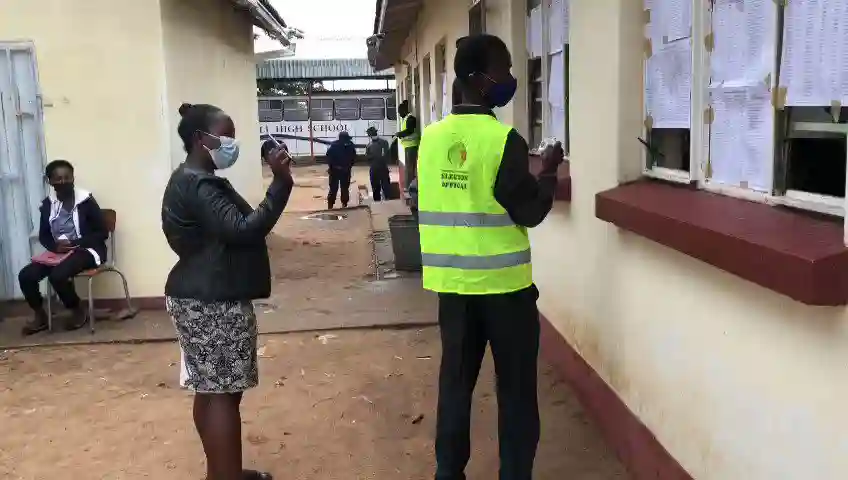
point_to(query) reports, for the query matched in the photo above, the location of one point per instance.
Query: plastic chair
(110, 218)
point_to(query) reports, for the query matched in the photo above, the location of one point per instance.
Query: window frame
(699, 100)
(477, 17)
(543, 65)
(265, 112)
(700, 137)
(337, 111)
(536, 104)
(391, 111)
(331, 109)
(362, 109)
(286, 110)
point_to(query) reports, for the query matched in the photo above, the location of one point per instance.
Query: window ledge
(788, 252)
(563, 191)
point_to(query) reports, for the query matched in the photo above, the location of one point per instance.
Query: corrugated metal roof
(266, 17)
(319, 69)
(393, 20)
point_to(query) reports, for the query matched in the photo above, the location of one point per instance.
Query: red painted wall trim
(798, 255)
(637, 448)
(563, 191)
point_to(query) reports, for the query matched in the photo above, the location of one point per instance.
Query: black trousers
(61, 277)
(380, 183)
(411, 166)
(339, 180)
(509, 323)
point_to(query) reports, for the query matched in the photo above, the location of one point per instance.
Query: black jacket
(341, 155)
(526, 199)
(88, 220)
(218, 237)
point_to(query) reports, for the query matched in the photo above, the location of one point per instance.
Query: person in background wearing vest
(409, 137)
(476, 200)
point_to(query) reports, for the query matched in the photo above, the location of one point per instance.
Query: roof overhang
(393, 20)
(266, 17)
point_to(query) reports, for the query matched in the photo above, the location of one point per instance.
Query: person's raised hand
(552, 157)
(280, 162)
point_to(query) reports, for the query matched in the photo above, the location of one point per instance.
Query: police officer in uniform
(477, 198)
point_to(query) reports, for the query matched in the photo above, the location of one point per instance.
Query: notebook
(51, 259)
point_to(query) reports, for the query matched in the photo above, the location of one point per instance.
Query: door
(477, 18)
(21, 162)
(428, 108)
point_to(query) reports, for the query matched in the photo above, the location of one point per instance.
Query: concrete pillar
(606, 114)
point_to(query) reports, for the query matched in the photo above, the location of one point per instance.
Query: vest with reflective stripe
(412, 140)
(469, 244)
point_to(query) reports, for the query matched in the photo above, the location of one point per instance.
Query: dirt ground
(346, 405)
(341, 405)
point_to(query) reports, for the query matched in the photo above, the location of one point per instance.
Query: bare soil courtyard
(333, 405)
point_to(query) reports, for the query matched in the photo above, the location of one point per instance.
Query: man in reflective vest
(409, 137)
(477, 198)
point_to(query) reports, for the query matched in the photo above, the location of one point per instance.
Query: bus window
(270, 111)
(391, 108)
(296, 110)
(322, 110)
(373, 109)
(347, 109)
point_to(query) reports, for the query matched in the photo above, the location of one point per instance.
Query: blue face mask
(226, 155)
(501, 93)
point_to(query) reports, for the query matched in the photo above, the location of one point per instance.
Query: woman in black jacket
(72, 226)
(223, 265)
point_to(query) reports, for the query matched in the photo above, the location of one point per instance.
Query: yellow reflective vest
(469, 244)
(412, 140)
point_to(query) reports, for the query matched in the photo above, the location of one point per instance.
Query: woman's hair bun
(184, 108)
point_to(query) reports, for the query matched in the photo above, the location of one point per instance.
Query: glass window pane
(391, 108)
(296, 110)
(373, 109)
(322, 109)
(347, 109)
(270, 111)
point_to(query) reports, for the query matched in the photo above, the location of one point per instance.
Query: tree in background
(270, 88)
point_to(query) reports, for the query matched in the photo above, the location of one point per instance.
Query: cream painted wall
(113, 73)
(209, 59)
(736, 381)
(100, 70)
(447, 21)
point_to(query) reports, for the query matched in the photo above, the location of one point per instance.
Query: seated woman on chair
(72, 224)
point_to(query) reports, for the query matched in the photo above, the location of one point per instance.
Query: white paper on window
(671, 20)
(742, 136)
(668, 85)
(745, 35)
(558, 25)
(535, 45)
(556, 82)
(814, 64)
(558, 122)
(556, 96)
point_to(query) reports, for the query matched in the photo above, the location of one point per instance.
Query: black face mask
(63, 189)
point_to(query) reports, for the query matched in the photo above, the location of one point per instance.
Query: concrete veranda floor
(335, 404)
